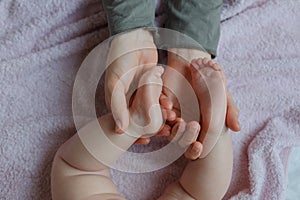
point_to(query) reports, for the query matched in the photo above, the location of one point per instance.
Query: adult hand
(130, 55)
(128, 51)
(180, 59)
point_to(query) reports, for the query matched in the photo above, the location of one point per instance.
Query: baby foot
(204, 73)
(208, 82)
(146, 114)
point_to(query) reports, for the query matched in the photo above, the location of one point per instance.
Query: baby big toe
(190, 134)
(147, 100)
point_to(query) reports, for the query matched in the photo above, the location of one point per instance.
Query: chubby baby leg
(76, 174)
(209, 176)
(208, 82)
(80, 168)
(206, 178)
(185, 134)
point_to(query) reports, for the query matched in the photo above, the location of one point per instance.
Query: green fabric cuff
(199, 19)
(125, 15)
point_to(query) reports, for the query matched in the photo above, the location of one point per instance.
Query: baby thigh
(209, 177)
(77, 175)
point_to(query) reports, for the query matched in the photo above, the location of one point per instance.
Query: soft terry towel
(42, 44)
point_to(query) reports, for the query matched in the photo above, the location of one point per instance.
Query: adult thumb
(119, 109)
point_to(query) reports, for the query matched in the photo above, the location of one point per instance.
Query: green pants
(199, 19)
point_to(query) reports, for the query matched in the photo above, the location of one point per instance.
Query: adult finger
(165, 131)
(232, 114)
(177, 131)
(190, 134)
(194, 151)
(143, 141)
(117, 82)
(119, 110)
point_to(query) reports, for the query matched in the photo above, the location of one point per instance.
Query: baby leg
(209, 176)
(189, 132)
(77, 174)
(209, 85)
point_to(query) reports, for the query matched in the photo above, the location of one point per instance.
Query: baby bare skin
(76, 174)
(209, 176)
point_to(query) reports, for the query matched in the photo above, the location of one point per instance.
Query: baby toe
(190, 134)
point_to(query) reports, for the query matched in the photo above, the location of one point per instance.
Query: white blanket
(42, 44)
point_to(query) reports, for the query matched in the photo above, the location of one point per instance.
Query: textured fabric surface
(293, 175)
(42, 44)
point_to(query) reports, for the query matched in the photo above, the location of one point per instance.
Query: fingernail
(193, 130)
(118, 125)
(195, 148)
(158, 74)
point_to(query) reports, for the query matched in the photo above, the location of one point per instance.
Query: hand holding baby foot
(168, 115)
(129, 54)
(146, 114)
(180, 59)
(185, 134)
(205, 65)
(208, 177)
